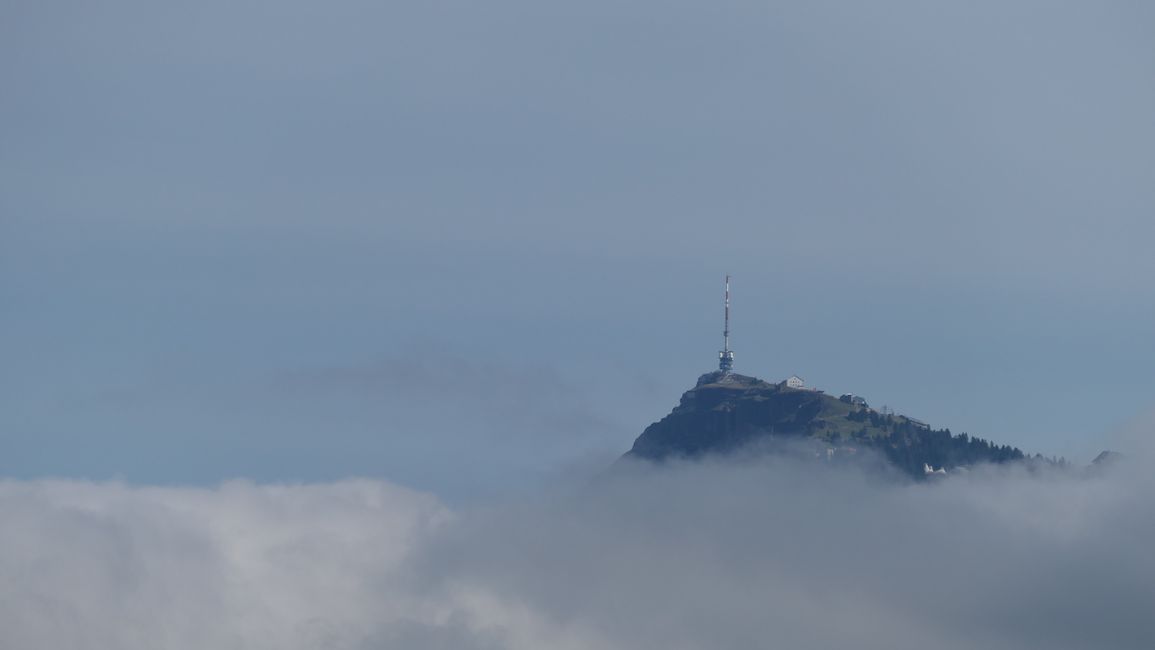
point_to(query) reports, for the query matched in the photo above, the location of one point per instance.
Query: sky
(465, 247)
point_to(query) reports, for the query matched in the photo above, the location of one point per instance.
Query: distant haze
(464, 245)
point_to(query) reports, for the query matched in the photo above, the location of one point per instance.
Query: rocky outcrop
(724, 412)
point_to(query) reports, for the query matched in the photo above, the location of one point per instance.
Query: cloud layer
(705, 555)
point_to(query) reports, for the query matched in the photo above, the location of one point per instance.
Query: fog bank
(765, 554)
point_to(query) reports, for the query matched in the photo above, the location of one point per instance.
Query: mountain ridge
(725, 412)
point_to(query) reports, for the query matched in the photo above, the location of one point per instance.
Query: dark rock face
(727, 411)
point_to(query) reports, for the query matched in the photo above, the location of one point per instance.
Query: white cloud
(693, 556)
(242, 566)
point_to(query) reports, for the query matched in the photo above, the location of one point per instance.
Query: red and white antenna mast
(726, 356)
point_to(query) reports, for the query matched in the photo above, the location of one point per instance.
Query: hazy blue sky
(463, 244)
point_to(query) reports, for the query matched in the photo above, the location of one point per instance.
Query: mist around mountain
(724, 553)
(726, 413)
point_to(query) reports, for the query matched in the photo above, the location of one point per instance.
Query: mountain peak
(726, 411)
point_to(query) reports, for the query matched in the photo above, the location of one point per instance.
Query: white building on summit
(795, 382)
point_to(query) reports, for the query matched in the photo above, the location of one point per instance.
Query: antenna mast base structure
(726, 361)
(726, 355)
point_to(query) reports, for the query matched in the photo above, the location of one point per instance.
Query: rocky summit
(727, 412)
